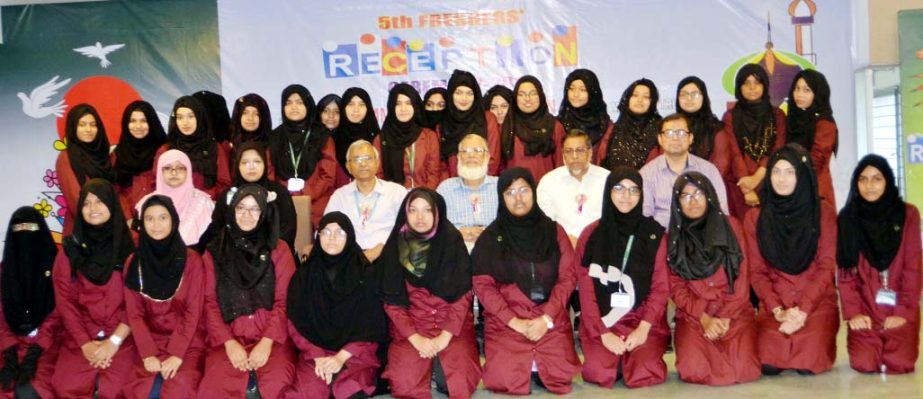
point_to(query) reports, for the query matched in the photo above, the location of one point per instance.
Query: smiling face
(251, 166)
(137, 125)
(577, 94)
(692, 202)
(690, 98)
(356, 110)
(247, 213)
(640, 100)
(784, 178)
(518, 198)
(250, 119)
(463, 97)
(157, 222)
(625, 196)
(403, 108)
(527, 98)
(94, 211)
(87, 128)
(871, 184)
(294, 108)
(420, 216)
(330, 116)
(185, 120)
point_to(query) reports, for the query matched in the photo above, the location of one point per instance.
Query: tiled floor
(841, 382)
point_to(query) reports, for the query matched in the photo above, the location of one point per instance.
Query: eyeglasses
(253, 212)
(675, 133)
(251, 164)
(173, 170)
(633, 191)
(515, 192)
(361, 159)
(333, 234)
(581, 151)
(696, 196)
(473, 151)
(694, 95)
(527, 94)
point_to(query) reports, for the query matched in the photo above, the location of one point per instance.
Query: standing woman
(336, 319)
(193, 205)
(142, 134)
(217, 116)
(96, 353)
(524, 276)
(328, 113)
(531, 136)
(247, 272)
(189, 132)
(29, 324)
(692, 100)
(426, 289)
(498, 100)
(86, 157)
(879, 275)
(164, 296)
(758, 128)
(465, 115)
(715, 337)
(634, 137)
(250, 121)
(792, 245)
(624, 287)
(303, 155)
(810, 123)
(584, 108)
(250, 166)
(434, 107)
(360, 123)
(409, 152)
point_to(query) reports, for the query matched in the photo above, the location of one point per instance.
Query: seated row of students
(157, 318)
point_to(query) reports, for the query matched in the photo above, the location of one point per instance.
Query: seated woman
(409, 152)
(251, 166)
(523, 277)
(190, 133)
(792, 243)
(96, 353)
(29, 324)
(164, 297)
(193, 206)
(715, 337)
(426, 288)
(247, 272)
(133, 163)
(336, 319)
(624, 287)
(879, 274)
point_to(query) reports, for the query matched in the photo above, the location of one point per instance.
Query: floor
(841, 382)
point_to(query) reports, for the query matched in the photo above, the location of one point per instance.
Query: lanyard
(631, 240)
(291, 152)
(411, 153)
(365, 216)
(884, 279)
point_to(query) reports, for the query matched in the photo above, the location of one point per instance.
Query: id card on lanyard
(621, 299)
(885, 296)
(296, 184)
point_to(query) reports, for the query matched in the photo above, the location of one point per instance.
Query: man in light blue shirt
(660, 173)
(471, 198)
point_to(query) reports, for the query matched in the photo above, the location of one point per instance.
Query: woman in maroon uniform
(583, 107)
(811, 124)
(633, 139)
(190, 133)
(409, 151)
(464, 115)
(86, 157)
(530, 136)
(133, 164)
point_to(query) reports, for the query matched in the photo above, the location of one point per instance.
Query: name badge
(886, 297)
(295, 184)
(621, 300)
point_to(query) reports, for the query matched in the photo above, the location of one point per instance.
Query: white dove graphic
(98, 51)
(34, 104)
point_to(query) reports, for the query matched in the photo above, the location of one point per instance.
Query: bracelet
(116, 340)
(548, 321)
(776, 310)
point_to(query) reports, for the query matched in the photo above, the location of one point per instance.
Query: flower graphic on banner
(43, 207)
(51, 178)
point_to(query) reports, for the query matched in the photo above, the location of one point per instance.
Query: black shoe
(359, 395)
(804, 372)
(538, 380)
(382, 387)
(438, 378)
(770, 370)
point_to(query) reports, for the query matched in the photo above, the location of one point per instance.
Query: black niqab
(25, 280)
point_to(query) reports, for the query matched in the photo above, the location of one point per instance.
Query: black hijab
(697, 248)
(456, 123)
(436, 260)
(754, 123)
(332, 299)
(880, 223)
(88, 160)
(132, 155)
(702, 123)
(200, 146)
(535, 130)
(592, 117)
(511, 244)
(434, 118)
(396, 135)
(498, 90)
(157, 268)
(607, 244)
(96, 251)
(216, 109)
(244, 269)
(802, 123)
(293, 139)
(25, 280)
(788, 228)
(238, 134)
(349, 132)
(634, 135)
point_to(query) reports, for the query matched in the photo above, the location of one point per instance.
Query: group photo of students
(471, 240)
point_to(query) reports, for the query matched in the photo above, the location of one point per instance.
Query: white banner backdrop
(331, 46)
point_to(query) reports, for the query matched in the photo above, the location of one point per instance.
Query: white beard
(471, 173)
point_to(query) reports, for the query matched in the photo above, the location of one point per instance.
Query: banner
(910, 31)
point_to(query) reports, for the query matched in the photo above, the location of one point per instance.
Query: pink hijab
(193, 206)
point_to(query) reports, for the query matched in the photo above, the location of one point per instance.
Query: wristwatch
(116, 340)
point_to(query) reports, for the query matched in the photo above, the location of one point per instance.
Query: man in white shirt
(660, 173)
(370, 203)
(572, 194)
(471, 198)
